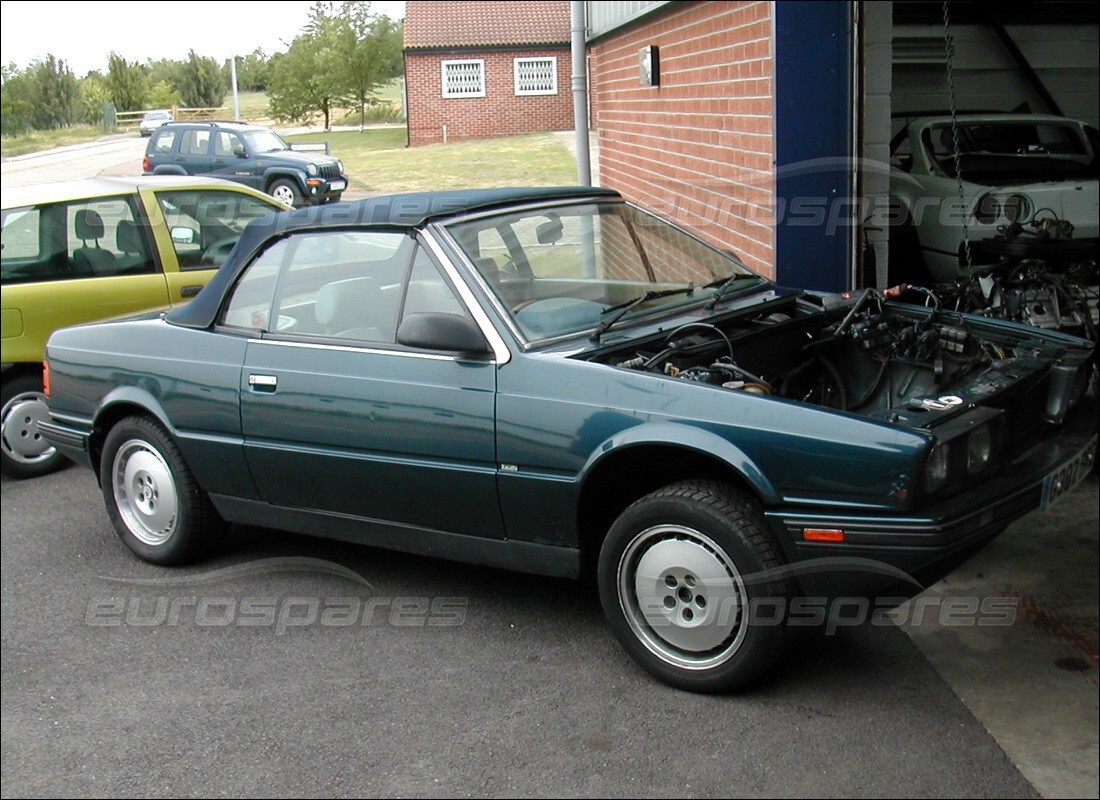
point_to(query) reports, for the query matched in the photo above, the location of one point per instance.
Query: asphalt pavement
(289, 666)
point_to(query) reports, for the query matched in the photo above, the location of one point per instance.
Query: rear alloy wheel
(152, 498)
(682, 576)
(286, 191)
(25, 453)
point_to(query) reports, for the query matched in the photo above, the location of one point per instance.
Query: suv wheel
(287, 191)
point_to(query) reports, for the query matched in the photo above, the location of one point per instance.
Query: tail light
(46, 378)
(145, 163)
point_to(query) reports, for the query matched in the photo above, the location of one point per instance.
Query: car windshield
(1006, 151)
(157, 115)
(573, 268)
(265, 141)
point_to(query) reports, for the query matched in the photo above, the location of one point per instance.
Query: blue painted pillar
(813, 142)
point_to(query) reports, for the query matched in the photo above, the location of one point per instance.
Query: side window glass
(21, 256)
(428, 291)
(250, 304)
(164, 140)
(206, 223)
(195, 143)
(225, 143)
(105, 239)
(332, 284)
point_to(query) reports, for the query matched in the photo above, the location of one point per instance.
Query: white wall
(1066, 57)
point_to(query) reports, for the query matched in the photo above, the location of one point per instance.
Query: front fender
(683, 437)
(272, 174)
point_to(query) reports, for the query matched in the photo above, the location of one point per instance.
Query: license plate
(337, 186)
(1064, 479)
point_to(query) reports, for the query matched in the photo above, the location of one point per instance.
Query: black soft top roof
(397, 211)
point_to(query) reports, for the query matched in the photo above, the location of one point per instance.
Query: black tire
(286, 190)
(156, 506)
(24, 453)
(705, 548)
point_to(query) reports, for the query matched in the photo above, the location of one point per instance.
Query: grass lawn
(253, 105)
(43, 140)
(378, 161)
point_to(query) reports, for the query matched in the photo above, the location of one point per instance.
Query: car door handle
(190, 291)
(263, 383)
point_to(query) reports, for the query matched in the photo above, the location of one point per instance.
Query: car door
(196, 150)
(73, 262)
(232, 162)
(336, 417)
(196, 230)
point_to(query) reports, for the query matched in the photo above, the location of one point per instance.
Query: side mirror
(449, 333)
(183, 235)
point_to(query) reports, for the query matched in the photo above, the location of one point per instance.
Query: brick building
(697, 144)
(767, 127)
(475, 70)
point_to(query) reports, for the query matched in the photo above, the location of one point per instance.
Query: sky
(84, 33)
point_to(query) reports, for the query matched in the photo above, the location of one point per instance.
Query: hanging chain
(949, 48)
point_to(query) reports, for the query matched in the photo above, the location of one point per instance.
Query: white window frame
(527, 92)
(443, 77)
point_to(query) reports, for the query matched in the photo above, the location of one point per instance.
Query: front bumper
(930, 542)
(320, 190)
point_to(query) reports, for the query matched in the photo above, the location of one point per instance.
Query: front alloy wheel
(286, 191)
(683, 597)
(691, 582)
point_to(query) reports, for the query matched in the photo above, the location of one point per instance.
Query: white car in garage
(1026, 179)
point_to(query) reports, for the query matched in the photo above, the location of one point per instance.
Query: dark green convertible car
(553, 381)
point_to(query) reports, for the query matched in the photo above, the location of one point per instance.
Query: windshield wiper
(626, 307)
(724, 286)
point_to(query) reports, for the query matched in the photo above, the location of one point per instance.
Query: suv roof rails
(212, 122)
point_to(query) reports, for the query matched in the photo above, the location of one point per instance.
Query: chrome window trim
(501, 354)
(376, 351)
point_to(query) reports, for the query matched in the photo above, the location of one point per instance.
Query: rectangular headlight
(938, 468)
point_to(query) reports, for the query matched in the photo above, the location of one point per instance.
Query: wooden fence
(130, 120)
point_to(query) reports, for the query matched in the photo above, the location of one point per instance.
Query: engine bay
(861, 354)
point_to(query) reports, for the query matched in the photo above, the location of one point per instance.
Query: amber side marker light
(822, 535)
(46, 378)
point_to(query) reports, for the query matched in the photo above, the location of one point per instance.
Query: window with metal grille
(464, 78)
(536, 75)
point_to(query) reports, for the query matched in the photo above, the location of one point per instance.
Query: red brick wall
(698, 148)
(499, 113)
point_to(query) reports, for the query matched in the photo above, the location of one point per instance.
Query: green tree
(202, 83)
(164, 70)
(163, 94)
(92, 96)
(15, 104)
(368, 53)
(253, 71)
(125, 83)
(53, 93)
(301, 82)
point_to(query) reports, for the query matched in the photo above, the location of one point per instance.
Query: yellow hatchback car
(86, 250)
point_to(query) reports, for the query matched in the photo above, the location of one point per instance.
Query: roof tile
(471, 23)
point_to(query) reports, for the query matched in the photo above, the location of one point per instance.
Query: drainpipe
(580, 92)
